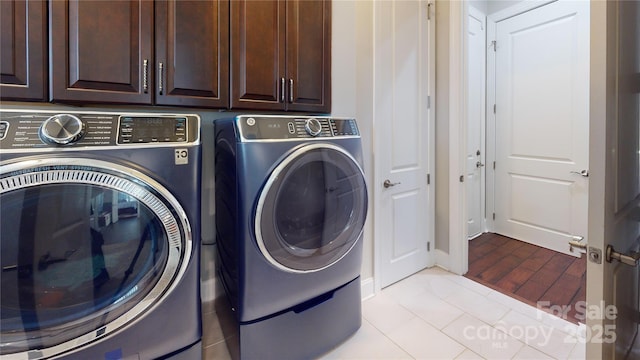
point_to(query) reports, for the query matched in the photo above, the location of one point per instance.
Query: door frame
(379, 176)
(479, 14)
(577, 185)
(458, 259)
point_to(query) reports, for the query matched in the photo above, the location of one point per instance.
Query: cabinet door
(309, 55)
(101, 51)
(192, 53)
(23, 52)
(257, 54)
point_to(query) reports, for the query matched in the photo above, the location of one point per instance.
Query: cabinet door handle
(281, 89)
(290, 90)
(145, 75)
(160, 76)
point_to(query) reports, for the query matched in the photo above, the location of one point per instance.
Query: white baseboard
(367, 289)
(442, 259)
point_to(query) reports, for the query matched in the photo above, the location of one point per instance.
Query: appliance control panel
(150, 129)
(271, 127)
(35, 130)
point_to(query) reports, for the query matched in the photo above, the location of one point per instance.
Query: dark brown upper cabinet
(103, 52)
(192, 53)
(23, 58)
(281, 55)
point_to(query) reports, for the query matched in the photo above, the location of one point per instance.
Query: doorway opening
(527, 157)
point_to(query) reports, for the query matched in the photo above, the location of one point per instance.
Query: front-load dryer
(291, 203)
(100, 237)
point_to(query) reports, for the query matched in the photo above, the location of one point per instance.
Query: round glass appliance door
(86, 247)
(311, 211)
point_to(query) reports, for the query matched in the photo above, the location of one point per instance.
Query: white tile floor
(438, 315)
(433, 314)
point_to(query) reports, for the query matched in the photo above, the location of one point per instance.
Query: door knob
(576, 242)
(584, 173)
(479, 164)
(387, 183)
(631, 259)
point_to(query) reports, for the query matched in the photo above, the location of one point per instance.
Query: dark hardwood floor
(529, 273)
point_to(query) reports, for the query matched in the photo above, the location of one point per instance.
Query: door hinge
(429, 11)
(461, 178)
(428, 102)
(428, 246)
(428, 179)
(494, 108)
(494, 165)
(494, 216)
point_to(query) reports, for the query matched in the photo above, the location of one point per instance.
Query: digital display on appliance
(271, 130)
(344, 127)
(137, 130)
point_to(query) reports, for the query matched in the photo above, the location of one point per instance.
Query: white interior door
(475, 123)
(614, 196)
(542, 125)
(404, 209)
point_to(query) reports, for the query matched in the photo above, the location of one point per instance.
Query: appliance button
(3, 129)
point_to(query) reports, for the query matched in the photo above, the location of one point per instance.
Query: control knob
(313, 127)
(61, 129)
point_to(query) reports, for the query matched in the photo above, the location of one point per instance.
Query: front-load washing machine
(291, 203)
(100, 235)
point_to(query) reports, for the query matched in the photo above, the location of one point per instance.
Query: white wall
(450, 133)
(352, 90)
(482, 5)
(497, 5)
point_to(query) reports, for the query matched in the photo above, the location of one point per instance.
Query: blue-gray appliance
(100, 242)
(291, 203)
